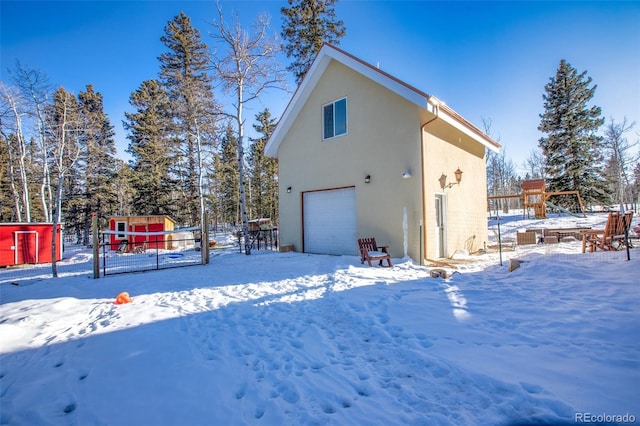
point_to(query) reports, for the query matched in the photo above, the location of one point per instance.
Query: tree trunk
(14, 190)
(22, 154)
(243, 198)
(54, 232)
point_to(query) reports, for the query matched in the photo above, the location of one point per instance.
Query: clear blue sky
(484, 59)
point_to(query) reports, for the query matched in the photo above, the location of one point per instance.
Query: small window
(121, 227)
(334, 117)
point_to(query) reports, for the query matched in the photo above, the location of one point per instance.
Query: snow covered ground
(295, 339)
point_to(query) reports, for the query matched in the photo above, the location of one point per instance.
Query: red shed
(23, 243)
(140, 224)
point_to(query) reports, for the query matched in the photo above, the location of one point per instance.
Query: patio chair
(370, 251)
(604, 239)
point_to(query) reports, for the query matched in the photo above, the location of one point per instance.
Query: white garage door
(330, 222)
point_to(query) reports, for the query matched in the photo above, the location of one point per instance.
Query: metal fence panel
(161, 252)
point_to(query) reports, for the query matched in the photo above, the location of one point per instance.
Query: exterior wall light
(443, 179)
(288, 190)
(406, 174)
(367, 179)
(458, 174)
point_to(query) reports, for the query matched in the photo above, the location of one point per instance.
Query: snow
(290, 338)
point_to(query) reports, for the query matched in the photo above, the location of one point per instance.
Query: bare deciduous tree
(622, 156)
(500, 172)
(13, 108)
(34, 86)
(534, 164)
(246, 65)
(65, 152)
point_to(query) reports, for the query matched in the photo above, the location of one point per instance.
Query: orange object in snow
(123, 298)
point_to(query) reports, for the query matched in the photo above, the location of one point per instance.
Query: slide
(562, 209)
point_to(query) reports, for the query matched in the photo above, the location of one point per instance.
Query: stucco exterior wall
(445, 150)
(382, 140)
(387, 135)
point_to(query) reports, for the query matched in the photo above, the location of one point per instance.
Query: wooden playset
(535, 197)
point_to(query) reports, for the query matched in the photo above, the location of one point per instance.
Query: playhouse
(141, 224)
(28, 243)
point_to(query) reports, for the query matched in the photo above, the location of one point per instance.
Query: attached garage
(329, 221)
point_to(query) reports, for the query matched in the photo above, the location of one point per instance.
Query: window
(121, 227)
(334, 117)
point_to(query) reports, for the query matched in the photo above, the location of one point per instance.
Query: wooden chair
(140, 249)
(624, 223)
(370, 251)
(123, 247)
(624, 227)
(603, 239)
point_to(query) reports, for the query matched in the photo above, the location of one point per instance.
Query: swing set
(534, 196)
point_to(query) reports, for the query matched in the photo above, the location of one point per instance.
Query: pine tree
(227, 177)
(571, 147)
(124, 189)
(64, 125)
(184, 76)
(263, 170)
(149, 134)
(97, 160)
(307, 25)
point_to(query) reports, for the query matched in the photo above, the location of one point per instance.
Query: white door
(441, 224)
(329, 221)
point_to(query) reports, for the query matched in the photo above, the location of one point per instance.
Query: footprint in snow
(531, 388)
(259, 412)
(362, 390)
(424, 341)
(288, 392)
(383, 318)
(296, 344)
(327, 408)
(240, 393)
(363, 376)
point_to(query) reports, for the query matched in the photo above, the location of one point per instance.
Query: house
(157, 223)
(27, 243)
(362, 154)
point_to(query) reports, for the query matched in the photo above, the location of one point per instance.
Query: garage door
(330, 222)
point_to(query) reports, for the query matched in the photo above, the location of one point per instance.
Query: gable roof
(325, 56)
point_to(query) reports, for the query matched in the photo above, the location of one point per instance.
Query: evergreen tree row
(57, 150)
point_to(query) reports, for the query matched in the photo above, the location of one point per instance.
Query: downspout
(423, 226)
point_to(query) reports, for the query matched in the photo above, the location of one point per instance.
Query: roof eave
(417, 97)
(462, 124)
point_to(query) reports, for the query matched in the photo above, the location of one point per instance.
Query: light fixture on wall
(406, 174)
(367, 179)
(288, 190)
(458, 174)
(443, 179)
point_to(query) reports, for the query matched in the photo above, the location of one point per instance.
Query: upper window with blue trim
(334, 117)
